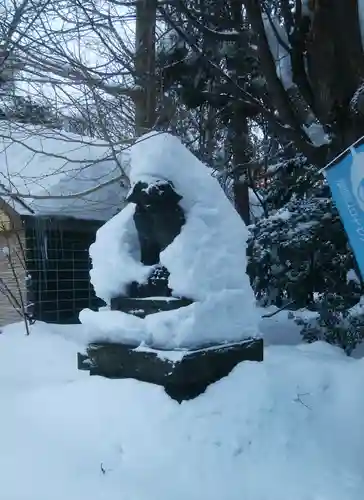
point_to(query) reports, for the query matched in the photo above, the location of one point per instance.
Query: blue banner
(345, 176)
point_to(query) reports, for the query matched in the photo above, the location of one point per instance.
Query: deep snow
(289, 428)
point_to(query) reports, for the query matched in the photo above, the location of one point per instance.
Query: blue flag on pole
(345, 176)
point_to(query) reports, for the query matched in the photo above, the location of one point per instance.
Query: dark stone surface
(156, 285)
(182, 380)
(142, 307)
(158, 219)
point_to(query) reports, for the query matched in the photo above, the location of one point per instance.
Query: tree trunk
(349, 45)
(279, 96)
(240, 146)
(145, 95)
(336, 67)
(275, 86)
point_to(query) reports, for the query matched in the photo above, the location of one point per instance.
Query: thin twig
(270, 315)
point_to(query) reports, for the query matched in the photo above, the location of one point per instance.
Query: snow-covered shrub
(300, 256)
(292, 177)
(300, 251)
(334, 324)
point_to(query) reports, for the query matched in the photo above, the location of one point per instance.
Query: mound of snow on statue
(206, 261)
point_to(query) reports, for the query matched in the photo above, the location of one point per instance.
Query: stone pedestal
(183, 374)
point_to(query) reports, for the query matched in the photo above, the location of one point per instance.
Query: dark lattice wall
(58, 262)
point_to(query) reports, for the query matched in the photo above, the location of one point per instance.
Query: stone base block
(183, 374)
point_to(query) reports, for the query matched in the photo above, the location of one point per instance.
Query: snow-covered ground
(289, 428)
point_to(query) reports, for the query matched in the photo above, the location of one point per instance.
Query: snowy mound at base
(206, 261)
(290, 428)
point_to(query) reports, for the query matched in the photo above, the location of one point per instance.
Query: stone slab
(183, 374)
(142, 307)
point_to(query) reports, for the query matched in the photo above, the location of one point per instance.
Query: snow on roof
(35, 161)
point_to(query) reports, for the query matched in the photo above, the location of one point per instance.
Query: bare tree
(311, 60)
(87, 58)
(92, 63)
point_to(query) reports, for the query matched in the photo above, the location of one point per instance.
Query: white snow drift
(289, 428)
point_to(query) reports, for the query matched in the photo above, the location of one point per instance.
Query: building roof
(35, 161)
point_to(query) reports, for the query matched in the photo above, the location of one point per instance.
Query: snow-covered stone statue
(158, 219)
(172, 264)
